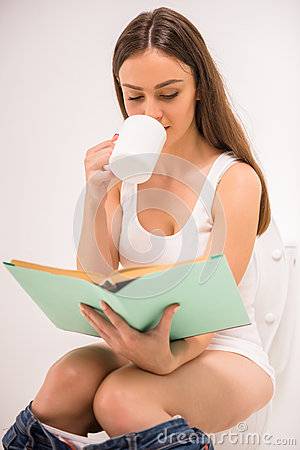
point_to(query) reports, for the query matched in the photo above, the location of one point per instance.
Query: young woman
(134, 381)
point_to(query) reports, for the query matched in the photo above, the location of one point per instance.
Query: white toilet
(275, 317)
(275, 305)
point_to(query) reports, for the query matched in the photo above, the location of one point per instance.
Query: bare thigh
(66, 397)
(99, 352)
(213, 392)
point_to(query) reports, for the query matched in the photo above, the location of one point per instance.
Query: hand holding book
(149, 350)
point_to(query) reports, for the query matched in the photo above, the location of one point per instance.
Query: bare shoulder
(240, 174)
(239, 184)
(236, 213)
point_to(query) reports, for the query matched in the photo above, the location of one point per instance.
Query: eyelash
(167, 97)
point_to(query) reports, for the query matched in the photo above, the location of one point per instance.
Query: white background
(58, 100)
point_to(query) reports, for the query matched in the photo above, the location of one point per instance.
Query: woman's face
(173, 104)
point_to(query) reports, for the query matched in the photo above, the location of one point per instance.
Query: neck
(191, 150)
(192, 147)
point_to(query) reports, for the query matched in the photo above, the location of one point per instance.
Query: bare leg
(65, 400)
(137, 417)
(122, 409)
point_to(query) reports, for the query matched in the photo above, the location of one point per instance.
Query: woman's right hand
(96, 157)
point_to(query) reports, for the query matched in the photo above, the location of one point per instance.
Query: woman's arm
(236, 215)
(96, 249)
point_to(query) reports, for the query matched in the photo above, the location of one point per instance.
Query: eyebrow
(160, 85)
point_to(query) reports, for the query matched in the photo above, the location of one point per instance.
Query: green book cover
(206, 291)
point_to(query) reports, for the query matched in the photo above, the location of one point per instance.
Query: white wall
(57, 100)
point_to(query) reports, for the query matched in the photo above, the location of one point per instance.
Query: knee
(82, 367)
(60, 383)
(63, 375)
(68, 377)
(115, 396)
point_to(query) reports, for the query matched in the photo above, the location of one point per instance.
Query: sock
(78, 442)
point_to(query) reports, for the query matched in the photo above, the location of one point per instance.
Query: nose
(152, 109)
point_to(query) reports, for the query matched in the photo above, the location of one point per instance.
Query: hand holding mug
(97, 175)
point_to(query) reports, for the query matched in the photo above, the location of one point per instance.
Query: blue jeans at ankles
(28, 433)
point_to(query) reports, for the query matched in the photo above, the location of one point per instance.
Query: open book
(205, 289)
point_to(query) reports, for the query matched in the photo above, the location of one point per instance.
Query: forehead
(153, 67)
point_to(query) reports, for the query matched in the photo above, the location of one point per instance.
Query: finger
(99, 330)
(98, 159)
(99, 177)
(102, 324)
(105, 144)
(101, 146)
(97, 164)
(164, 325)
(118, 322)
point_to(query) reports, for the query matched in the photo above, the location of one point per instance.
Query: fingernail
(83, 308)
(83, 313)
(176, 309)
(115, 136)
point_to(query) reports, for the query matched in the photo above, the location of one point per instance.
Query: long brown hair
(173, 34)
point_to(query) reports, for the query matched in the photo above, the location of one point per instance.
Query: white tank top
(138, 246)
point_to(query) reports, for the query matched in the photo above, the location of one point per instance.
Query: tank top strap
(127, 189)
(218, 168)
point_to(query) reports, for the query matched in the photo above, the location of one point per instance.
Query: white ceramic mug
(137, 149)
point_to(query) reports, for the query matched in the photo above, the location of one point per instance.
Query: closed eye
(167, 97)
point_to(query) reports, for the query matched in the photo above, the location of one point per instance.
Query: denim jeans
(28, 433)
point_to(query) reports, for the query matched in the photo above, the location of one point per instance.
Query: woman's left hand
(149, 350)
